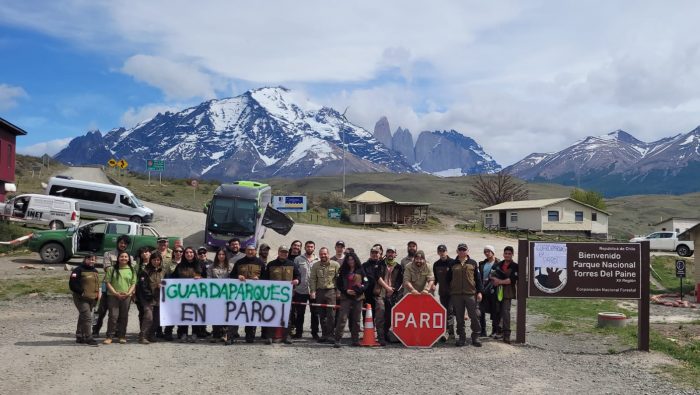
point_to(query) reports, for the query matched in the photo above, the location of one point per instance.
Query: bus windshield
(231, 215)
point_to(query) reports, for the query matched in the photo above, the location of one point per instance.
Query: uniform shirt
(166, 259)
(406, 260)
(234, 257)
(147, 290)
(281, 270)
(248, 267)
(336, 259)
(121, 282)
(374, 270)
(440, 269)
(85, 281)
(218, 271)
(464, 277)
(304, 265)
(323, 276)
(418, 277)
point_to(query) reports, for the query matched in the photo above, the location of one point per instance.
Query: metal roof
(412, 204)
(16, 130)
(370, 197)
(537, 203)
(676, 218)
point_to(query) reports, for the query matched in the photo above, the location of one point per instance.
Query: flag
(277, 221)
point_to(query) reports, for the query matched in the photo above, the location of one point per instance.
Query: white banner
(225, 302)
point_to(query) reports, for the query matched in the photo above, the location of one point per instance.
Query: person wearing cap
(440, 269)
(203, 260)
(301, 292)
(393, 278)
(264, 252)
(250, 267)
(508, 269)
(411, 248)
(84, 284)
(166, 254)
(109, 259)
(324, 274)
(489, 303)
(281, 269)
(417, 277)
(339, 252)
(465, 292)
(375, 271)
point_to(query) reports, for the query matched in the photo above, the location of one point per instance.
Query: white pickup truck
(667, 241)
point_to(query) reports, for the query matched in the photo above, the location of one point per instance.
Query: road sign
(418, 320)
(123, 164)
(194, 183)
(680, 268)
(155, 165)
(112, 162)
(334, 213)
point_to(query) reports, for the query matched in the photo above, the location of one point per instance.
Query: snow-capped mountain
(619, 164)
(442, 153)
(263, 133)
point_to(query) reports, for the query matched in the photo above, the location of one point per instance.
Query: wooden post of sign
(149, 177)
(523, 267)
(643, 323)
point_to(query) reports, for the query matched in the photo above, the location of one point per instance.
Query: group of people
(335, 286)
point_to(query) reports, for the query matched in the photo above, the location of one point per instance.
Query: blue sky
(518, 77)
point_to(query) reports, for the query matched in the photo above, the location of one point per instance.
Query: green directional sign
(155, 165)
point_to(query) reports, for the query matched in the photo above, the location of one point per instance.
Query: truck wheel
(135, 218)
(683, 250)
(52, 253)
(53, 225)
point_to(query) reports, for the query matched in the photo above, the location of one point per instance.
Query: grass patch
(568, 315)
(665, 272)
(12, 288)
(10, 231)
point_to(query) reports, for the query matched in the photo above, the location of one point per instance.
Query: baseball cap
(442, 247)
(390, 248)
(283, 248)
(420, 254)
(462, 245)
(411, 242)
(340, 243)
(264, 246)
(250, 246)
(202, 249)
(162, 239)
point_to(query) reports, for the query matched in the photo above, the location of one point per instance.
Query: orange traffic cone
(279, 333)
(368, 339)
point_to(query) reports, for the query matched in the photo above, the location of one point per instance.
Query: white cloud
(176, 80)
(50, 147)
(135, 115)
(9, 95)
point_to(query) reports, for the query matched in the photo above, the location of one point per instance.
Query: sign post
(194, 184)
(155, 165)
(418, 320)
(680, 273)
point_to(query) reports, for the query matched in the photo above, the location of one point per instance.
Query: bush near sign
(585, 270)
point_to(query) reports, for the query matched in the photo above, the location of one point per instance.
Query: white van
(33, 209)
(101, 200)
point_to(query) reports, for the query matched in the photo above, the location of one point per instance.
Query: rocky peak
(382, 132)
(402, 141)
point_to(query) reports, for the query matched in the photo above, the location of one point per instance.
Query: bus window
(233, 216)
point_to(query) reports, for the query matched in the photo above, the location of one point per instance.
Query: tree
(501, 187)
(591, 198)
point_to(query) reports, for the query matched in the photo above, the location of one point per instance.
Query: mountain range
(618, 164)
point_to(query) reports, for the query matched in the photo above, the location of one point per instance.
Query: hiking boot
(168, 337)
(476, 342)
(506, 339)
(382, 343)
(321, 340)
(268, 341)
(314, 336)
(286, 340)
(143, 340)
(249, 339)
(461, 342)
(355, 343)
(229, 342)
(90, 342)
(122, 340)
(79, 340)
(107, 341)
(483, 334)
(190, 339)
(336, 345)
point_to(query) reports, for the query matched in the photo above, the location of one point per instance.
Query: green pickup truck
(97, 237)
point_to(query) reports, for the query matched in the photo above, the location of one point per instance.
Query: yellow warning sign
(123, 163)
(112, 162)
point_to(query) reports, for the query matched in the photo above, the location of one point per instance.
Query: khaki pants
(118, 316)
(460, 303)
(349, 309)
(151, 320)
(84, 306)
(326, 314)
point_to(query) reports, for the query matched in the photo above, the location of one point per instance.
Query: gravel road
(39, 354)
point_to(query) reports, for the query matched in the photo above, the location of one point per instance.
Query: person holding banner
(220, 268)
(465, 292)
(324, 274)
(121, 283)
(281, 269)
(188, 267)
(250, 267)
(351, 283)
(505, 274)
(148, 295)
(175, 260)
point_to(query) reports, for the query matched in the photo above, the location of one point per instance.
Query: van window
(118, 229)
(42, 203)
(61, 205)
(82, 194)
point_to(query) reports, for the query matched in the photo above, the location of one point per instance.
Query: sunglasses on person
(461, 249)
(202, 253)
(179, 251)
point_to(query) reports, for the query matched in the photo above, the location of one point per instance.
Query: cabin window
(594, 216)
(553, 216)
(514, 217)
(579, 216)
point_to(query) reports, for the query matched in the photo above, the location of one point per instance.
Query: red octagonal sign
(418, 320)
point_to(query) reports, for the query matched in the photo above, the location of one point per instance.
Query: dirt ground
(39, 354)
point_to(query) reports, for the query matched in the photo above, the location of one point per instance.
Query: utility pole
(344, 148)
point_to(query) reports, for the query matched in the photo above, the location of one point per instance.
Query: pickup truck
(96, 237)
(667, 241)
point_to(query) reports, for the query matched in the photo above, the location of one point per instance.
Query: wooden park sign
(584, 270)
